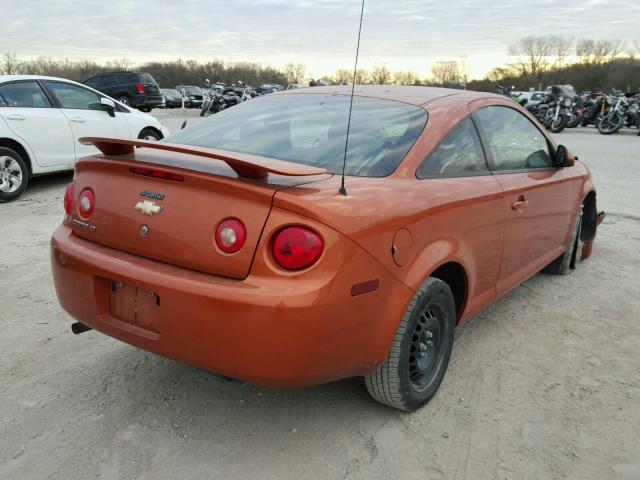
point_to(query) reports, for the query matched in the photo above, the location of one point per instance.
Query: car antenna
(343, 190)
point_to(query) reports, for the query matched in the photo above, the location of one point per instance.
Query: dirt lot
(545, 384)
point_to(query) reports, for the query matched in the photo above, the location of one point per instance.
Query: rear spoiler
(245, 165)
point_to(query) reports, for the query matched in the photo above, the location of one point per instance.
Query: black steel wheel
(420, 351)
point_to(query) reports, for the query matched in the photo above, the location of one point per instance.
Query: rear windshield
(147, 78)
(311, 130)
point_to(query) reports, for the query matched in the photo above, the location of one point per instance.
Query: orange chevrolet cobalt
(232, 247)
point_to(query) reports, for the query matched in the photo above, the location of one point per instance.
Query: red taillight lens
(148, 172)
(295, 248)
(86, 203)
(68, 199)
(231, 235)
(140, 88)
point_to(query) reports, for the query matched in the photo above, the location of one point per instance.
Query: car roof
(406, 94)
(13, 78)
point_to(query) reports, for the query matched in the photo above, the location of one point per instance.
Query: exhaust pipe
(78, 327)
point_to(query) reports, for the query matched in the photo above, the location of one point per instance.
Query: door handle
(520, 203)
(77, 119)
(15, 116)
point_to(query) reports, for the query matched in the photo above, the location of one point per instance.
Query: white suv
(41, 119)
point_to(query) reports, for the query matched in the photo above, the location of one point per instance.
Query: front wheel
(14, 175)
(558, 125)
(571, 256)
(420, 351)
(610, 124)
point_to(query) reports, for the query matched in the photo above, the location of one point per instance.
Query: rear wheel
(420, 351)
(150, 134)
(125, 100)
(14, 174)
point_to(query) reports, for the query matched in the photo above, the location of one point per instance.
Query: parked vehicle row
(42, 118)
(220, 96)
(560, 107)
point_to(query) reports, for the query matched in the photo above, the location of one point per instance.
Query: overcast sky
(322, 33)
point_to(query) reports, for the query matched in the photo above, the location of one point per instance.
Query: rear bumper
(147, 100)
(268, 330)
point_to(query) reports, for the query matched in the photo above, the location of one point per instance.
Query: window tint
(514, 142)
(71, 96)
(459, 152)
(147, 78)
(92, 82)
(311, 129)
(107, 81)
(128, 78)
(23, 94)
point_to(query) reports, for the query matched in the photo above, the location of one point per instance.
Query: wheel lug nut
(429, 334)
(430, 343)
(421, 355)
(422, 347)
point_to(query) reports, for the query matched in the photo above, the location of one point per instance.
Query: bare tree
(532, 54)
(597, 52)
(11, 64)
(445, 73)
(119, 64)
(560, 49)
(405, 78)
(343, 76)
(295, 72)
(363, 77)
(381, 75)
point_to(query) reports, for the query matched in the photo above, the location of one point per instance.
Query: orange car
(229, 246)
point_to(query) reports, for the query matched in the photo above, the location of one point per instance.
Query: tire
(568, 260)
(14, 175)
(574, 122)
(610, 125)
(406, 381)
(558, 125)
(125, 100)
(150, 134)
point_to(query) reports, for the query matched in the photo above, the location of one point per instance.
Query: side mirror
(562, 157)
(108, 106)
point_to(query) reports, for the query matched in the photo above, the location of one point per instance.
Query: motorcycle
(558, 112)
(220, 98)
(613, 119)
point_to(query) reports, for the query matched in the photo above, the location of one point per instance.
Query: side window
(107, 81)
(460, 152)
(92, 82)
(23, 94)
(514, 142)
(72, 96)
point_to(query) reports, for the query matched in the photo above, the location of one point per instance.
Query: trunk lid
(182, 231)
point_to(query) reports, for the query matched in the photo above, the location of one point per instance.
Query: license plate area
(133, 305)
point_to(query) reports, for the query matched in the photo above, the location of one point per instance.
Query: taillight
(231, 235)
(295, 248)
(140, 88)
(159, 174)
(86, 203)
(68, 199)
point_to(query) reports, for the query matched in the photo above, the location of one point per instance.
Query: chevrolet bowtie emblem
(148, 208)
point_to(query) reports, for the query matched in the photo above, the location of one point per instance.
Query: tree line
(537, 61)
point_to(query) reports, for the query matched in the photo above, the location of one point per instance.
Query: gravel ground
(544, 384)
